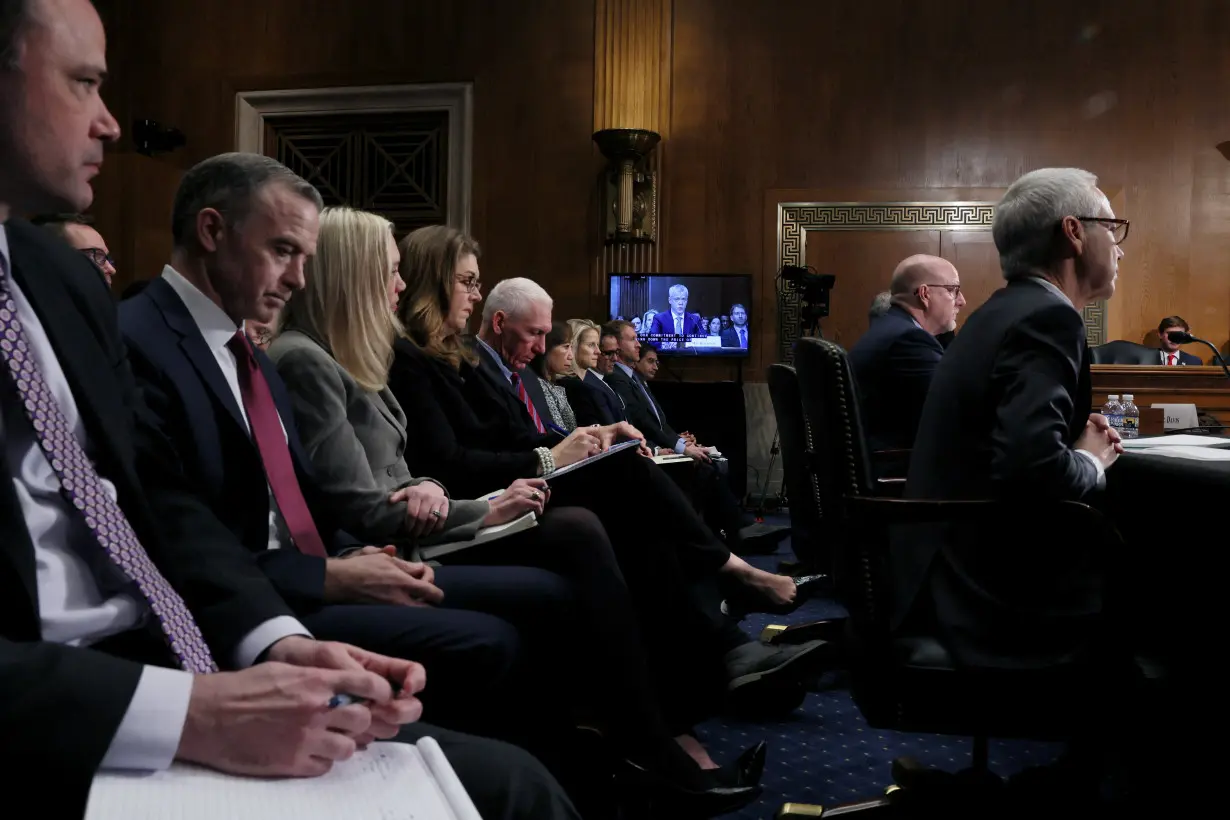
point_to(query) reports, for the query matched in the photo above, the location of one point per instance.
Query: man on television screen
(677, 321)
(736, 335)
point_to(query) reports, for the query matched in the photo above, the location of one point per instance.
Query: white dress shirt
(218, 329)
(1097, 463)
(82, 597)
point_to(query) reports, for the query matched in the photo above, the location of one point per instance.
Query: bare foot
(780, 589)
(696, 751)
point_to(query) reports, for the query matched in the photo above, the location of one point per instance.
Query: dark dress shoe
(743, 600)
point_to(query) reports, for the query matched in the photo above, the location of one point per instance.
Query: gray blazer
(356, 440)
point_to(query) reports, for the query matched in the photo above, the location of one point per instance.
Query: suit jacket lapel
(490, 370)
(192, 343)
(91, 379)
(89, 374)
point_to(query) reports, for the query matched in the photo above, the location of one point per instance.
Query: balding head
(929, 289)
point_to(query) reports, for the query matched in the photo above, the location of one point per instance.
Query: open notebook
(610, 451)
(389, 781)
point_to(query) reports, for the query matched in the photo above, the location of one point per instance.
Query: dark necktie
(653, 405)
(83, 488)
(525, 399)
(275, 452)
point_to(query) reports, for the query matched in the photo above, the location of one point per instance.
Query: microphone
(1182, 337)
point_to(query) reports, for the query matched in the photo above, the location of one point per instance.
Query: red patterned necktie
(275, 452)
(83, 488)
(525, 399)
(1172, 358)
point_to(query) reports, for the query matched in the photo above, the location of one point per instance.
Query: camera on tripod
(813, 291)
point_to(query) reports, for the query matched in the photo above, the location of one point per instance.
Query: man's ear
(498, 320)
(209, 227)
(1071, 236)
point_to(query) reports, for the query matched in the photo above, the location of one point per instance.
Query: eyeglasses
(471, 284)
(954, 290)
(99, 257)
(610, 353)
(1118, 227)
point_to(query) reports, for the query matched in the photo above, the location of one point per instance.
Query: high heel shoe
(689, 800)
(744, 599)
(747, 768)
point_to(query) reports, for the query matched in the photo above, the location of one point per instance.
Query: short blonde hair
(345, 303)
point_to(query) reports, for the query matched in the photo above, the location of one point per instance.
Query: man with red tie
(243, 225)
(1169, 351)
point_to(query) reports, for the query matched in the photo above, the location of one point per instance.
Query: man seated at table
(1169, 351)
(893, 362)
(1008, 417)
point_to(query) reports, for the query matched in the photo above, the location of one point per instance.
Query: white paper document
(387, 781)
(1193, 453)
(674, 458)
(1178, 440)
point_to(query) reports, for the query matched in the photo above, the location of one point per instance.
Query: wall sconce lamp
(630, 191)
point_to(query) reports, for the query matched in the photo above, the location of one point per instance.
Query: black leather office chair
(1124, 352)
(914, 684)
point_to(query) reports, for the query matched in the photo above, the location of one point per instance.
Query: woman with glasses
(333, 350)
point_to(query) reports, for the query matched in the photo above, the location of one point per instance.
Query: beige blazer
(356, 440)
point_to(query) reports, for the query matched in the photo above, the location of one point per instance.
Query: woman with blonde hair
(582, 386)
(334, 352)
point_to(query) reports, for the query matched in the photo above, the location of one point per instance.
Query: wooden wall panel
(862, 262)
(532, 69)
(895, 95)
(891, 95)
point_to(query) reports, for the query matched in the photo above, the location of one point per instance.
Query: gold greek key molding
(795, 219)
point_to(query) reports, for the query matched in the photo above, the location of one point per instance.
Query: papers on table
(1179, 440)
(1193, 453)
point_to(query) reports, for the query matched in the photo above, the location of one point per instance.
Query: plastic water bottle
(1131, 418)
(1113, 411)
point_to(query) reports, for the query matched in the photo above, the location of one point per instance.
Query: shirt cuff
(1097, 464)
(680, 446)
(265, 636)
(148, 736)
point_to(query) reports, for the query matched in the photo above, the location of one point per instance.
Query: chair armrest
(1071, 514)
(889, 487)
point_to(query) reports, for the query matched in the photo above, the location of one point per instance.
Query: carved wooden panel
(393, 164)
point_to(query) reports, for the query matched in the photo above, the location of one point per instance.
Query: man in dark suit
(1169, 351)
(1008, 417)
(225, 410)
(893, 362)
(123, 593)
(677, 321)
(738, 334)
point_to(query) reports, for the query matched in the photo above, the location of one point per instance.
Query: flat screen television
(687, 314)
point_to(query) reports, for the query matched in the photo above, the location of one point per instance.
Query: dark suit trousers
(505, 783)
(473, 646)
(633, 650)
(651, 523)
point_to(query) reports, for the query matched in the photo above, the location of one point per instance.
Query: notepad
(485, 535)
(673, 458)
(610, 451)
(386, 781)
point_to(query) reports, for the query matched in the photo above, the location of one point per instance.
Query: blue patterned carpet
(825, 753)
